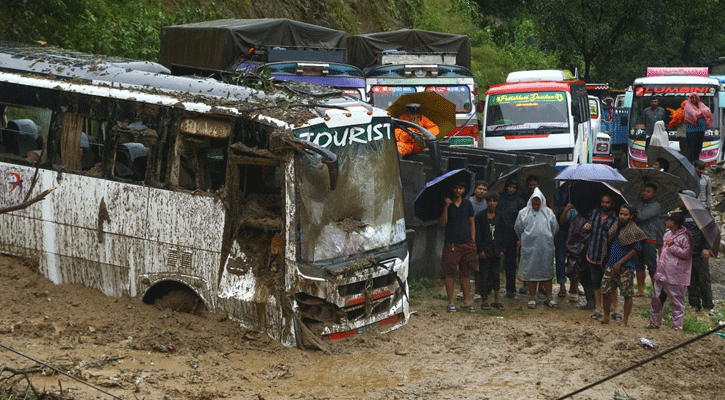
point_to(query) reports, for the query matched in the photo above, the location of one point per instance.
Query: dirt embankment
(134, 350)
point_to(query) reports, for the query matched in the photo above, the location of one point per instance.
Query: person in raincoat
(659, 135)
(698, 118)
(406, 143)
(535, 226)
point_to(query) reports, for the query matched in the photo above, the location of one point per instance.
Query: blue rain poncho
(536, 230)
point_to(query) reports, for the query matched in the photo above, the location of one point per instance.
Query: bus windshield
(670, 104)
(365, 211)
(527, 111)
(384, 96)
(458, 95)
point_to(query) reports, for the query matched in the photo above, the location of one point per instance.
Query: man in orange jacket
(406, 142)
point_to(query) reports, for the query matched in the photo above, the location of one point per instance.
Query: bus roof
(532, 86)
(676, 79)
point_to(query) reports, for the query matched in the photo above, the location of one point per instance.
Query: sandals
(452, 309)
(562, 294)
(498, 306)
(596, 315)
(617, 316)
(532, 304)
(573, 297)
(551, 303)
(468, 308)
(485, 306)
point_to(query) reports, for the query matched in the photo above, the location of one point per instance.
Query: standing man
(509, 206)
(649, 220)
(651, 115)
(705, 184)
(459, 248)
(625, 240)
(490, 252)
(699, 292)
(599, 223)
(478, 199)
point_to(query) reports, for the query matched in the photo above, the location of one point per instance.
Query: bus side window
(81, 143)
(131, 161)
(21, 137)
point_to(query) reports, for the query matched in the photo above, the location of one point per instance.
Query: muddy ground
(137, 351)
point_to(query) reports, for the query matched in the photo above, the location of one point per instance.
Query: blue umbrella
(591, 172)
(429, 203)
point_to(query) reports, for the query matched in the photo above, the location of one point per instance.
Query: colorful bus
(285, 212)
(543, 112)
(672, 86)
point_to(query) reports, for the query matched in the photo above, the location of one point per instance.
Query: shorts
(647, 258)
(459, 258)
(624, 280)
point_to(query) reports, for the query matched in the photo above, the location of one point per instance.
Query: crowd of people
(609, 252)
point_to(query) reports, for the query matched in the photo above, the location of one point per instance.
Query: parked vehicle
(408, 61)
(672, 86)
(602, 146)
(172, 184)
(540, 111)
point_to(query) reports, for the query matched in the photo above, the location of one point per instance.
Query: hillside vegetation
(610, 41)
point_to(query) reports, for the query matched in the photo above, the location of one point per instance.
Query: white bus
(543, 112)
(289, 218)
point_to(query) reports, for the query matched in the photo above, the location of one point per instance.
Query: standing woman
(698, 118)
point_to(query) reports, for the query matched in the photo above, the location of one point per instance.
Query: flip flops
(485, 306)
(617, 316)
(596, 315)
(551, 303)
(498, 306)
(468, 308)
(452, 309)
(573, 297)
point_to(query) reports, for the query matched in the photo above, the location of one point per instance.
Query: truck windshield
(670, 104)
(527, 111)
(365, 211)
(458, 95)
(384, 96)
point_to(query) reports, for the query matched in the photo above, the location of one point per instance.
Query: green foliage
(420, 288)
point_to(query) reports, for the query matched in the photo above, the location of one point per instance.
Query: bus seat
(131, 159)
(21, 136)
(88, 158)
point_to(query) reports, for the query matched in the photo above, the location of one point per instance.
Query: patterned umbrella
(591, 172)
(667, 186)
(434, 106)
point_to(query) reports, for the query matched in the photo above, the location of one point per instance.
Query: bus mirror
(624, 120)
(327, 157)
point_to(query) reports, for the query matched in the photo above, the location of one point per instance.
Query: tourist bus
(542, 111)
(672, 86)
(284, 211)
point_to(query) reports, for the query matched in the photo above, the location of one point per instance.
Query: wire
(57, 370)
(656, 356)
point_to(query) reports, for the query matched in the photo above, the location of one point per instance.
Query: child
(673, 273)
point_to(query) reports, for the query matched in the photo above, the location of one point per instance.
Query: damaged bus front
(284, 211)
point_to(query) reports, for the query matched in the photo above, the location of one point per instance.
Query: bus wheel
(176, 297)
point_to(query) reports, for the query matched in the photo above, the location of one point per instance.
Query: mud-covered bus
(671, 86)
(542, 111)
(284, 211)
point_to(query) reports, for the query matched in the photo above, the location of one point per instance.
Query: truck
(411, 60)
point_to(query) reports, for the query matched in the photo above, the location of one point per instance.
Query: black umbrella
(679, 165)
(429, 203)
(704, 220)
(543, 171)
(667, 186)
(587, 195)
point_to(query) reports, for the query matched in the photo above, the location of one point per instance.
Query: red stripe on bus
(527, 137)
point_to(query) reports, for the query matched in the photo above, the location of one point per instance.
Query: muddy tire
(184, 301)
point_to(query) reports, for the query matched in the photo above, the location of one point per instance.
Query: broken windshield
(365, 211)
(509, 112)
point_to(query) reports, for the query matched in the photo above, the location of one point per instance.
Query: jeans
(694, 144)
(699, 293)
(489, 273)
